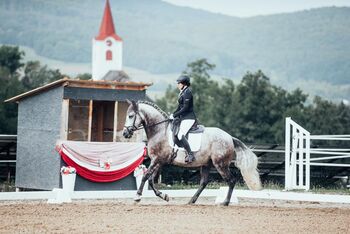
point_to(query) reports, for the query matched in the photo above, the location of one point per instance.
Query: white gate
(298, 151)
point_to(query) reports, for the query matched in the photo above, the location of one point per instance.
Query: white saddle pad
(194, 140)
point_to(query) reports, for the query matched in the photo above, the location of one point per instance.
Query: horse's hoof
(224, 204)
(166, 197)
(137, 198)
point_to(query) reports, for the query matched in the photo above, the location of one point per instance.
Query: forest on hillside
(253, 110)
(160, 37)
(17, 77)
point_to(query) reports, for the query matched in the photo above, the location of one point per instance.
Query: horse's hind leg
(203, 183)
(155, 190)
(226, 174)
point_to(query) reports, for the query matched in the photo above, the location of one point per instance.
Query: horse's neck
(152, 117)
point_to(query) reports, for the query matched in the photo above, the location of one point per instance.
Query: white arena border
(59, 195)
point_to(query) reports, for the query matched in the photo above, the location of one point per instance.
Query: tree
(12, 84)
(255, 110)
(10, 63)
(36, 75)
(10, 58)
(169, 102)
(255, 97)
(224, 108)
(205, 90)
(325, 117)
(84, 76)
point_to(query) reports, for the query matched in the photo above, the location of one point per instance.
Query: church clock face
(109, 42)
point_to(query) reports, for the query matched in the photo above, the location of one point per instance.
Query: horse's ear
(134, 105)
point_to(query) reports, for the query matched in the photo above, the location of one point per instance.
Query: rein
(144, 125)
(163, 121)
(152, 125)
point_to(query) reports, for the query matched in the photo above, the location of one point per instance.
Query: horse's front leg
(148, 174)
(151, 183)
(203, 183)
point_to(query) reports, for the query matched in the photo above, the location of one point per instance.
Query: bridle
(133, 127)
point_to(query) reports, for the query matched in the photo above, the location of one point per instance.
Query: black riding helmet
(184, 79)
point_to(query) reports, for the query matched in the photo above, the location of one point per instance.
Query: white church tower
(107, 48)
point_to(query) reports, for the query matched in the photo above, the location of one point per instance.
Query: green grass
(335, 190)
(6, 186)
(270, 185)
(214, 185)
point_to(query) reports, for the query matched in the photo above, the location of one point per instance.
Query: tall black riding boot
(189, 157)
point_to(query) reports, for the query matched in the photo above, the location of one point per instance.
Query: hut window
(109, 55)
(97, 121)
(102, 126)
(78, 120)
(122, 109)
(138, 135)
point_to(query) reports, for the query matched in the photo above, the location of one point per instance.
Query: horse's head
(133, 119)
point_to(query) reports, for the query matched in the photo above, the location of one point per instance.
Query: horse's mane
(155, 106)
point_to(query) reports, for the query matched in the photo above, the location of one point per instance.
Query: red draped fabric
(87, 170)
(97, 176)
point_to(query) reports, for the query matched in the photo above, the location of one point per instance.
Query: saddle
(194, 135)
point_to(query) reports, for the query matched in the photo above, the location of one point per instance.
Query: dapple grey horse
(217, 149)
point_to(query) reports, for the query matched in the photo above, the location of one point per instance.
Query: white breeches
(185, 126)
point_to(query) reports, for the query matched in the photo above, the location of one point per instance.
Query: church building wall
(100, 64)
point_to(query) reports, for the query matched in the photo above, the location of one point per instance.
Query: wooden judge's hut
(83, 120)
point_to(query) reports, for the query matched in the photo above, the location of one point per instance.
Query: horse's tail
(247, 162)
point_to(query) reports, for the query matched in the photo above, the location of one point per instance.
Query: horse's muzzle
(127, 133)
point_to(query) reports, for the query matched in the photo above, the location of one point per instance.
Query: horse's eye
(131, 116)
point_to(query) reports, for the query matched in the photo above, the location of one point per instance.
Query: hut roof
(97, 84)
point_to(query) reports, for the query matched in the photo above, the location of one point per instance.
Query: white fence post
(298, 155)
(301, 160)
(307, 156)
(293, 163)
(287, 182)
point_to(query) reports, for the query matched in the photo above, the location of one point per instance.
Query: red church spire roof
(107, 25)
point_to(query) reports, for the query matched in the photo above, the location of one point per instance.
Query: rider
(186, 114)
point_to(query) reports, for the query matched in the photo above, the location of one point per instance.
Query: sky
(249, 8)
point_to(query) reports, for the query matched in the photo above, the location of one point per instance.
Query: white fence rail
(58, 195)
(298, 151)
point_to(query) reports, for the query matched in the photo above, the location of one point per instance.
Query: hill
(309, 47)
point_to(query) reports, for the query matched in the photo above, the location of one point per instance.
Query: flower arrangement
(68, 170)
(105, 164)
(140, 170)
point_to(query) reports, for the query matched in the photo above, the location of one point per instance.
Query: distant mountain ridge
(163, 38)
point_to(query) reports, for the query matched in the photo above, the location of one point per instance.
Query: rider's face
(180, 86)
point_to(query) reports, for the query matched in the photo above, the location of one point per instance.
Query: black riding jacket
(185, 108)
